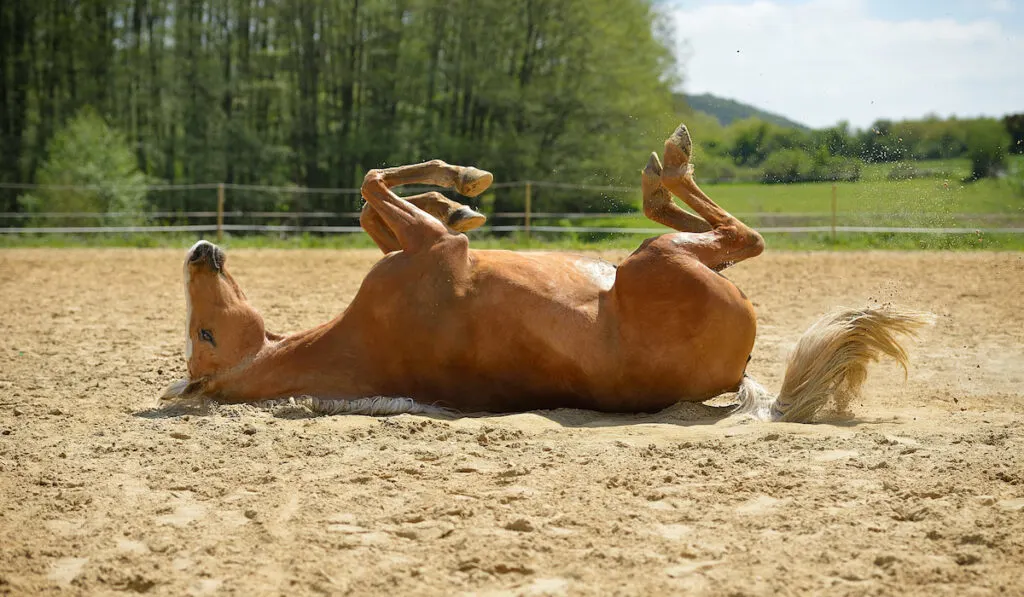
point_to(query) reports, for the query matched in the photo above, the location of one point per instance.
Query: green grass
(955, 169)
(185, 240)
(925, 195)
(935, 201)
(544, 241)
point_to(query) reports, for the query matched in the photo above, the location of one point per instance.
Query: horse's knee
(372, 177)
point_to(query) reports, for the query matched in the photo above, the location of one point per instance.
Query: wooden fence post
(527, 209)
(835, 201)
(220, 212)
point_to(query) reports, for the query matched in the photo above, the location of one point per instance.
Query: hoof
(678, 148)
(650, 178)
(652, 171)
(473, 181)
(465, 219)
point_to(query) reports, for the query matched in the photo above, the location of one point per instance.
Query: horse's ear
(273, 337)
(184, 389)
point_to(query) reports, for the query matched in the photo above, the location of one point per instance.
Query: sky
(819, 62)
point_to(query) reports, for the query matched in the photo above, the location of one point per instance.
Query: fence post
(835, 200)
(220, 212)
(527, 209)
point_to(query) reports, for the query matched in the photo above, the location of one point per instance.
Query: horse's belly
(544, 333)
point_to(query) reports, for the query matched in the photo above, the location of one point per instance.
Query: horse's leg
(658, 205)
(454, 215)
(413, 228)
(729, 240)
(466, 180)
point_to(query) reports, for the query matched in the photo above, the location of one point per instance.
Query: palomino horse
(443, 325)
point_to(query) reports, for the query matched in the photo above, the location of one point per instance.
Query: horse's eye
(207, 336)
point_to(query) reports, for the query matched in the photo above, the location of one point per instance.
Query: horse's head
(223, 330)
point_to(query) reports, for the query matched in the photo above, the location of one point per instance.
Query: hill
(727, 111)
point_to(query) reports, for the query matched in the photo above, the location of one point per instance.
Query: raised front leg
(413, 229)
(466, 180)
(454, 215)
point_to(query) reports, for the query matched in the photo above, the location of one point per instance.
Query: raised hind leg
(466, 180)
(658, 205)
(728, 240)
(454, 215)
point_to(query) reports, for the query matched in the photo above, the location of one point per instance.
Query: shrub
(715, 169)
(987, 143)
(796, 165)
(827, 167)
(1015, 179)
(97, 160)
(787, 165)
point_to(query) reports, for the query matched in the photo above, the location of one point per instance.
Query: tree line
(315, 92)
(312, 93)
(755, 150)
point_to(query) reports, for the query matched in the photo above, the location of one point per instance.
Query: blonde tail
(829, 364)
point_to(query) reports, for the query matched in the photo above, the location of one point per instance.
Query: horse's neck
(317, 362)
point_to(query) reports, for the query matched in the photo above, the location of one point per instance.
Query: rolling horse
(438, 325)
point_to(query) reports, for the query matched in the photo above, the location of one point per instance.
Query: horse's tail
(830, 362)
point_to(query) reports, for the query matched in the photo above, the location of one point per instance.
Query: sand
(921, 493)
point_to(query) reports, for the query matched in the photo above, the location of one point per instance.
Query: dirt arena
(921, 494)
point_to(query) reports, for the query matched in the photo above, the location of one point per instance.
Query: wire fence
(216, 218)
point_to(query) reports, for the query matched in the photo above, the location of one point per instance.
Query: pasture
(922, 493)
(937, 197)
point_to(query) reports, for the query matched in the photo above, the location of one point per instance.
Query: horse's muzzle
(207, 252)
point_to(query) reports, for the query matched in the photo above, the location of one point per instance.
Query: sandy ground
(921, 494)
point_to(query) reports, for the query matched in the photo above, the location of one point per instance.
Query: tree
(987, 143)
(1014, 124)
(787, 165)
(316, 92)
(748, 144)
(96, 159)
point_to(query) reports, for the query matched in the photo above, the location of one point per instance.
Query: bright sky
(822, 61)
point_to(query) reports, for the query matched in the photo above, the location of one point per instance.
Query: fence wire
(321, 221)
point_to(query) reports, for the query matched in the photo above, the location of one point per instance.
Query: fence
(219, 220)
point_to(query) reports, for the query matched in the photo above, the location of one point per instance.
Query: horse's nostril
(217, 257)
(206, 251)
(200, 251)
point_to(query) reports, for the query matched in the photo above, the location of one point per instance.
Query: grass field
(938, 199)
(941, 193)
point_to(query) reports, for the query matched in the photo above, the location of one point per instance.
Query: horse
(438, 325)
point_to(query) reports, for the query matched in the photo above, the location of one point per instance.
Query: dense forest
(119, 94)
(315, 92)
